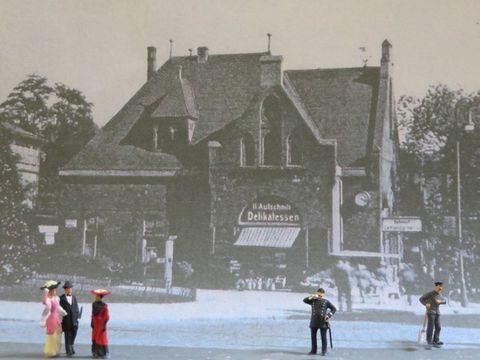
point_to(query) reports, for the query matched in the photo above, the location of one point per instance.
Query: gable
(342, 104)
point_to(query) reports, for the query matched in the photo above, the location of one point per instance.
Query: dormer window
(172, 131)
(247, 150)
(271, 132)
(295, 148)
(169, 136)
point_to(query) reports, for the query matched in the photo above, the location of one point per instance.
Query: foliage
(429, 123)
(15, 251)
(432, 127)
(28, 104)
(59, 114)
(75, 264)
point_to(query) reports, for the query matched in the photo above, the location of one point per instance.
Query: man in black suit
(322, 311)
(70, 322)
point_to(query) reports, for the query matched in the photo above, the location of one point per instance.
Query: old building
(246, 166)
(27, 148)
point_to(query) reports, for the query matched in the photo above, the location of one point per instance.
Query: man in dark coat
(342, 272)
(432, 301)
(70, 322)
(322, 311)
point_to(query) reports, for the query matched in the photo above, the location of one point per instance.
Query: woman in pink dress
(52, 319)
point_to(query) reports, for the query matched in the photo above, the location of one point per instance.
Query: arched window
(247, 150)
(271, 130)
(295, 148)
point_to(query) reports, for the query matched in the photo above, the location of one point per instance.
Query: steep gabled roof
(179, 101)
(336, 104)
(215, 92)
(342, 103)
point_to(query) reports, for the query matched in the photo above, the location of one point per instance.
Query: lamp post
(463, 288)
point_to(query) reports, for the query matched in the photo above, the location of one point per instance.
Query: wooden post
(307, 260)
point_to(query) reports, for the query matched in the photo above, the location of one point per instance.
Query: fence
(121, 291)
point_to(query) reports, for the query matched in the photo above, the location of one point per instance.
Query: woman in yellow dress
(52, 319)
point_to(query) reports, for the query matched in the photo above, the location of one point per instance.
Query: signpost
(402, 224)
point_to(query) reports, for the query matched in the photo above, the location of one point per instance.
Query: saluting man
(70, 322)
(322, 311)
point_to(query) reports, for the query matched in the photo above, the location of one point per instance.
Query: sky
(99, 46)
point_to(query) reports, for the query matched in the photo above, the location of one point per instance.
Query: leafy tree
(429, 123)
(28, 104)
(431, 127)
(59, 114)
(15, 250)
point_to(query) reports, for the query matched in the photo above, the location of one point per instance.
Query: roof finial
(190, 51)
(269, 38)
(365, 57)
(171, 47)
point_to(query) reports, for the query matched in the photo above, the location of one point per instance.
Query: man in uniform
(70, 322)
(322, 311)
(432, 301)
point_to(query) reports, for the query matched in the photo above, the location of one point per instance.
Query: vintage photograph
(257, 179)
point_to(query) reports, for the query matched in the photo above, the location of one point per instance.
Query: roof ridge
(221, 54)
(334, 69)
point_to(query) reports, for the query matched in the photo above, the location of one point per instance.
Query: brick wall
(308, 188)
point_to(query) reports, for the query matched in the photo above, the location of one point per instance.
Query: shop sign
(271, 210)
(49, 232)
(152, 228)
(71, 223)
(402, 224)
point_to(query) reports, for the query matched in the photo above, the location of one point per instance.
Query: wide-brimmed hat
(50, 284)
(102, 292)
(67, 285)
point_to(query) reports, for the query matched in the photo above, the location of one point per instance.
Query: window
(295, 148)
(94, 233)
(169, 136)
(271, 130)
(247, 150)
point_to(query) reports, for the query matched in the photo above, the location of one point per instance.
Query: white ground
(238, 320)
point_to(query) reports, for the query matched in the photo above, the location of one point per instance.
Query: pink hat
(100, 292)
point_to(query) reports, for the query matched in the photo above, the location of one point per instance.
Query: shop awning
(277, 237)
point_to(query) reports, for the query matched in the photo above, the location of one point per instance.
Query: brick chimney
(270, 70)
(151, 61)
(202, 54)
(386, 60)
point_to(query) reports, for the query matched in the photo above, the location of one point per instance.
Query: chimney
(202, 54)
(386, 64)
(386, 51)
(270, 70)
(151, 61)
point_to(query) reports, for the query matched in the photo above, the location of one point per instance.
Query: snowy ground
(252, 321)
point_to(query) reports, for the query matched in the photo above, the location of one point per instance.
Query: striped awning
(276, 237)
